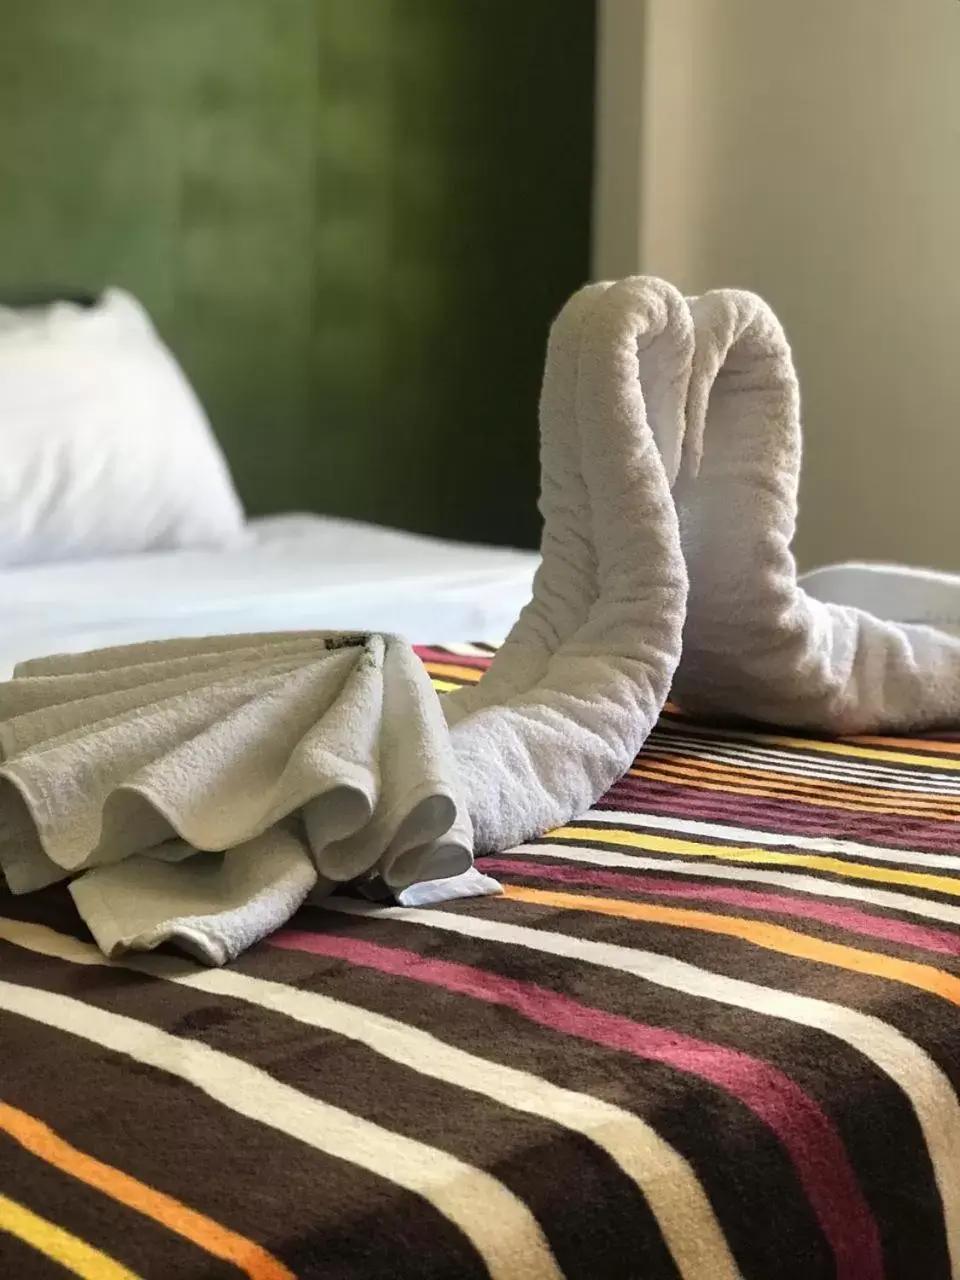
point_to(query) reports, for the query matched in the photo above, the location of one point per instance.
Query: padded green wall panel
(352, 219)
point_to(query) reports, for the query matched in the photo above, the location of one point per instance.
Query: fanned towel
(581, 680)
(198, 790)
(756, 644)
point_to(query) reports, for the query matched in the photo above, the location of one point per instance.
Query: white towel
(898, 593)
(581, 680)
(197, 790)
(756, 644)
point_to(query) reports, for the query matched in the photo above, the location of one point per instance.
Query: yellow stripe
(40, 1140)
(823, 802)
(843, 748)
(444, 686)
(918, 744)
(772, 937)
(72, 1253)
(470, 674)
(732, 853)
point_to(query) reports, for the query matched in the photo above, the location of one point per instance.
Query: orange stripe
(799, 782)
(850, 869)
(820, 802)
(470, 674)
(39, 1139)
(772, 937)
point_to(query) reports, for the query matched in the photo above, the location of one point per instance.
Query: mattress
(294, 572)
(707, 1031)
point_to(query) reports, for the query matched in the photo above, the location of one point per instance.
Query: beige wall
(810, 150)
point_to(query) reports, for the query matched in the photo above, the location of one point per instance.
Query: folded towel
(581, 680)
(756, 644)
(197, 790)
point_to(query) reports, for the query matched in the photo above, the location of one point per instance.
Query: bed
(287, 572)
(707, 1031)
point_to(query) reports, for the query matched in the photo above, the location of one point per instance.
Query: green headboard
(351, 219)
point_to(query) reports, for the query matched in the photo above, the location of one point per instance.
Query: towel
(195, 791)
(756, 644)
(896, 592)
(581, 679)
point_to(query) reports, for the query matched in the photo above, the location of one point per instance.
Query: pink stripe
(913, 935)
(803, 1128)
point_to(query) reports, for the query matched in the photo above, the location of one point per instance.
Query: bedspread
(710, 1030)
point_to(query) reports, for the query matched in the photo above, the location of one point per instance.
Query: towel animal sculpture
(196, 792)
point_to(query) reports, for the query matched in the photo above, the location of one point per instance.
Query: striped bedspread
(710, 1030)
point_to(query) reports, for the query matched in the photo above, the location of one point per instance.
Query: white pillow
(104, 448)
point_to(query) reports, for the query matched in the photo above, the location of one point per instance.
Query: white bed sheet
(293, 572)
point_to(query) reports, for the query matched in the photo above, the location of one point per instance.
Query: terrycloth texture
(581, 679)
(755, 644)
(287, 760)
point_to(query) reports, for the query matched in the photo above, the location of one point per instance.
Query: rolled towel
(581, 680)
(756, 644)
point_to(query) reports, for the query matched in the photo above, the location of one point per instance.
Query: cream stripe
(498, 1225)
(772, 840)
(930, 908)
(466, 650)
(910, 1067)
(670, 1186)
(69, 1251)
